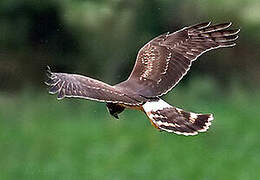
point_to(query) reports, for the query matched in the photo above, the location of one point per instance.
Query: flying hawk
(160, 65)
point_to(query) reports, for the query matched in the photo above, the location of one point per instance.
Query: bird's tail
(171, 119)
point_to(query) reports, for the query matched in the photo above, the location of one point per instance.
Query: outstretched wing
(73, 85)
(163, 61)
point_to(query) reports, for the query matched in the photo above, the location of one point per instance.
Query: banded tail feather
(172, 119)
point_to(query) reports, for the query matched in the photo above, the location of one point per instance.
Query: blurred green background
(42, 138)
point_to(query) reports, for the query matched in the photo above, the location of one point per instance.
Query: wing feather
(163, 61)
(73, 85)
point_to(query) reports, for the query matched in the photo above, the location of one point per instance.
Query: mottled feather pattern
(73, 85)
(166, 59)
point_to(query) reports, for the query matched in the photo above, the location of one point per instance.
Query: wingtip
(61, 94)
(199, 26)
(46, 83)
(48, 71)
(237, 30)
(207, 23)
(229, 24)
(60, 98)
(231, 45)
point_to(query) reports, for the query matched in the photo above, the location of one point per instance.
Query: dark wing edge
(163, 61)
(78, 86)
(203, 32)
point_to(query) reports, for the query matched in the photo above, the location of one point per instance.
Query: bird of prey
(160, 65)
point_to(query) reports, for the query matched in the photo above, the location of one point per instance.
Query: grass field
(42, 138)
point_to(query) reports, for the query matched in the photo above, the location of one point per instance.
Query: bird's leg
(115, 109)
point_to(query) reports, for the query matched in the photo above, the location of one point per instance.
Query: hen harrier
(160, 65)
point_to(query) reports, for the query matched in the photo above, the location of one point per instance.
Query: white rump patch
(155, 105)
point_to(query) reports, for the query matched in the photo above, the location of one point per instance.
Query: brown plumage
(163, 61)
(159, 66)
